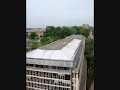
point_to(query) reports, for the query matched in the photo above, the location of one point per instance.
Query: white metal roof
(66, 53)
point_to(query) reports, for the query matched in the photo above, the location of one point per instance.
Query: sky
(42, 13)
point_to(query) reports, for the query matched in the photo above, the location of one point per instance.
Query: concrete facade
(42, 75)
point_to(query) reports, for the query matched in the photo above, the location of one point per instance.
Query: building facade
(38, 31)
(28, 42)
(48, 28)
(86, 26)
(57, 66)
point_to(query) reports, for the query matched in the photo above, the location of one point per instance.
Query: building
(91, 27)
(60, 65)
(90, 35)
(28, 42)
(86, 26)
(48, 28)
(38, 31)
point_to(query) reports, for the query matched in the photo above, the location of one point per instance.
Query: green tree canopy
(45, 40)
(33, 35)
(84, 32)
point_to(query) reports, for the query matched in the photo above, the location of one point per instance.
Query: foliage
(26, 34)
(33, 35)
(34, 45)
(93, 32)
(45, 40)
(89, 53)
(27, 49)
(56, 33)
(84, 32)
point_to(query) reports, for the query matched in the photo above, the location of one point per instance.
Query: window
(27, 83)
(37, 66)
(35, 73)
(28, 78)
(58, 77)
(43, 80)
(33, 84)
(27, 72)
(41, 66)
(68, 85)
(60, 68)
(67, 77)
(52, 81)
(63, 77)
(50, 75)
(45, 66)
(39, 73)
(44, 74)
(32, 72)
(53, 67)
(47, 74)
(40, 80)
(31, 65)
(54, 75)
(66, 68)
(38, 85)
(31, 78)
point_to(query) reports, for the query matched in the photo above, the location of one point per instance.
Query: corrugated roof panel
(58, 55)
(35, 54)
(66, 53)
(70, 48)
(48, 54)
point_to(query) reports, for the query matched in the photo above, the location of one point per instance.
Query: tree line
(56, 33)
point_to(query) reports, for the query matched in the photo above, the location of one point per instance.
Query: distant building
(90, 35)
(86, 26)
(38, 31)
(28, 42)
(49, 28)
(91, 27)
(60, 65)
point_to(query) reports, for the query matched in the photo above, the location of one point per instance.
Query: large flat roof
(59, 51)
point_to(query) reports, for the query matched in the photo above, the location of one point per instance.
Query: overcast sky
(41, 13)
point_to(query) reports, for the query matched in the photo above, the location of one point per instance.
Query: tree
(45, 40)
(34, 45)
(84, 32)
(93, 32)
(89, 53)
(33, 35)
(73, 30)
(65, 32)
(26, 34)
(58, 32)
